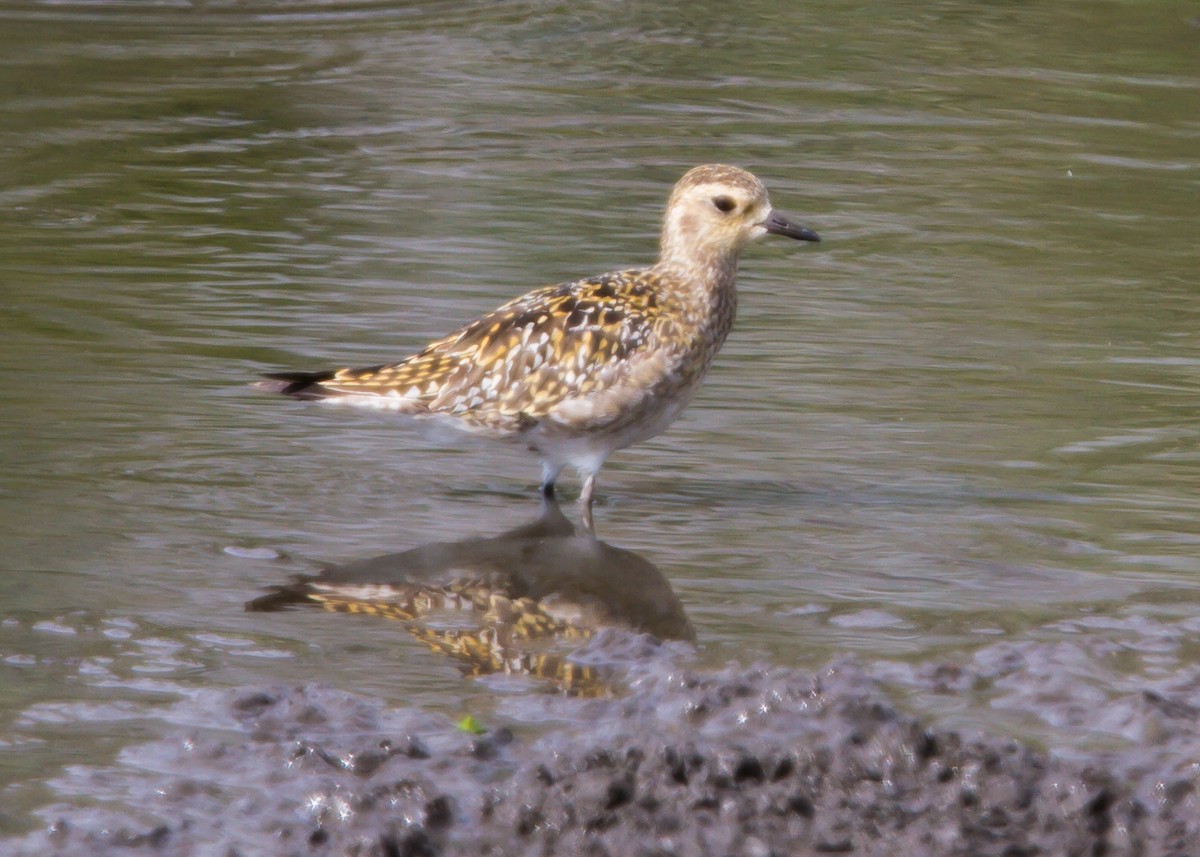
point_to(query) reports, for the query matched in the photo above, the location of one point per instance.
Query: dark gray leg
(549, 477)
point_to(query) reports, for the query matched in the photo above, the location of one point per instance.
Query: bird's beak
(777, 224)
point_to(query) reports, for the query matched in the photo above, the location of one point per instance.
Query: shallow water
(965, 420)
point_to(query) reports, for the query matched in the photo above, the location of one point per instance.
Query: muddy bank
(741, 763)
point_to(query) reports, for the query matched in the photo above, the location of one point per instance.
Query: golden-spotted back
(510, 368)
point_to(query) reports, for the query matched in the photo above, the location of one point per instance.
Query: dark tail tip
(300, 385)
(281, 597)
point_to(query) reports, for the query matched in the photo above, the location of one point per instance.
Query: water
(965, 420)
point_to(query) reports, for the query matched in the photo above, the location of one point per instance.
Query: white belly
(586, 449)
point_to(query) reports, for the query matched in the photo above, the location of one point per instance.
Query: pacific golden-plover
(579, 370)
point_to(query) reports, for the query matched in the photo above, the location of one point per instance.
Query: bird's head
(714, 211)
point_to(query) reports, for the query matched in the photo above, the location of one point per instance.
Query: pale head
(714, 211)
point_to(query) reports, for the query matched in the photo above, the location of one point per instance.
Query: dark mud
(752, 763)
(634, 751)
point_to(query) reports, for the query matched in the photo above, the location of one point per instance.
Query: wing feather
(516, 364)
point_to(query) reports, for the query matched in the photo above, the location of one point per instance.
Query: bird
(579, 370)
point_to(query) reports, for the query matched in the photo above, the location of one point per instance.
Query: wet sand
(758, 762)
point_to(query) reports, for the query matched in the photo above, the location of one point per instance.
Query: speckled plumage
(579, 370)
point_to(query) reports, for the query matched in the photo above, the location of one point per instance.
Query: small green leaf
(470, 724)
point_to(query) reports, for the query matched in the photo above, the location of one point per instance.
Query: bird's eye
(724, 204)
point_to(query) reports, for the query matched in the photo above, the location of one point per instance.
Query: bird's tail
(298, 385)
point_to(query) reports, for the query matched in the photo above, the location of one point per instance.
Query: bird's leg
(585, 502)
(549, 477)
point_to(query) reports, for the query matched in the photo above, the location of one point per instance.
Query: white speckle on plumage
(580, 370)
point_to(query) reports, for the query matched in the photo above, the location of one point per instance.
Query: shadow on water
(520, 603)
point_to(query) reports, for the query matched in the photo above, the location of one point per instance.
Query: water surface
(965, 420)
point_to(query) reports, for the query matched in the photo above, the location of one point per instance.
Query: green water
(968, 415)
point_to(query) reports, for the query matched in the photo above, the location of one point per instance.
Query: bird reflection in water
(518, 603)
